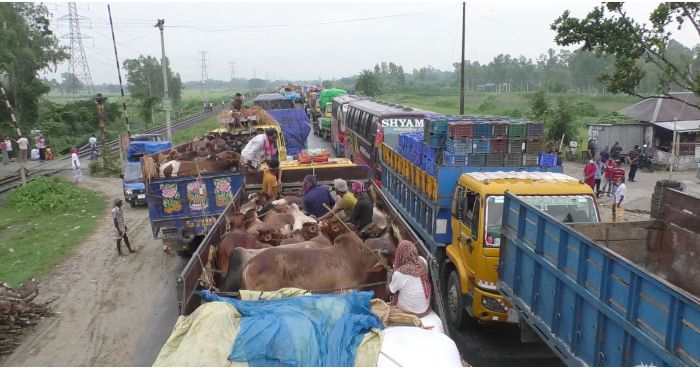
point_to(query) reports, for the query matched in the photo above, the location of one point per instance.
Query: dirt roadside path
(112, 311)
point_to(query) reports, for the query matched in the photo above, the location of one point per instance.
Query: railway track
(12, 181)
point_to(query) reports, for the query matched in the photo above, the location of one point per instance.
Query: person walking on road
(589, 173)
(41, 146)
(618, 175)
(3, 148)
(75, 165)
(8, 143)
(633, 158)
(608, 176)
(599, 167)
(93, 147)
(120, 227)
(23, 145)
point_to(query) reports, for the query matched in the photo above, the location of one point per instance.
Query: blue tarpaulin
(295, 127)
(314, 330)
(139, 148)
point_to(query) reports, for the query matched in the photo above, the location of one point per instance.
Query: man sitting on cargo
(345, 204)
(253, 154)
(361, 214)
(270, 185)
(315, 197)
(409, 281)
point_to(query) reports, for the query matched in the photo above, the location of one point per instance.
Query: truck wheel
(455, 301)
(132, 204)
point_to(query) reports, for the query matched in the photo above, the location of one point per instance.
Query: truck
(132, 175)
(191, 279)
(455, 210)
(607, 294)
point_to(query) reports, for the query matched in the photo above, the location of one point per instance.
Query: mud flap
(437, 293)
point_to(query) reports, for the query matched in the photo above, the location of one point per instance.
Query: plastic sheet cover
(295, 127)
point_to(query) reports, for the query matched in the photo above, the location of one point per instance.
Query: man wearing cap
(343, 206)
(254, 153)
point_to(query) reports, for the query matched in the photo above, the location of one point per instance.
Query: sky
(320, 39)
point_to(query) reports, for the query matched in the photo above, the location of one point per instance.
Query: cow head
(236, 221)
(265, 236)
(332, 228)
(309, 230)
(371, 231)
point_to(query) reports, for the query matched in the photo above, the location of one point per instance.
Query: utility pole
(121, 87)
(205, 77)
(101, 113)
(233, 69)
(78, 65)
(461, 69)
(167, 106)
(10, 110)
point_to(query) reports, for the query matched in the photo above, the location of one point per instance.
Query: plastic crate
(499, 145)
(548, 160)
(515, 145)
(435, 126)
(513, 159)
(429, 153)
(534, 146)
(495, 159)
(477, 159)
(535, 130)
(483, 130)
(500, 130)
(482, 146)
(459, 146)
(531, 159)
(454, 159)
(517, 130)
(429, 168)
(435, 140)
(461, 129)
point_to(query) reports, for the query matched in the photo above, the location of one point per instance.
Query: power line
(205, 77)
(78, 66)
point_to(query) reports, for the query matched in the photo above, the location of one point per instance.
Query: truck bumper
(490, 306)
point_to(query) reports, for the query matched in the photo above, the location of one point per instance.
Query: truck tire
(454, 301)
(132, 204)
(185, 236)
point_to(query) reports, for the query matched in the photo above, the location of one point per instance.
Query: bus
(369, 123)
(338, 109)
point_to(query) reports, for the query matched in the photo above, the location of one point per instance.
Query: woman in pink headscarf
(409, 281)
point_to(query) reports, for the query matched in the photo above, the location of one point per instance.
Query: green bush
(488, 105)
(47, 195)
(112, 170)
(584, 108)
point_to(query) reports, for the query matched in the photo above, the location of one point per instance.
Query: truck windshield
(132, 172)
(565, 208)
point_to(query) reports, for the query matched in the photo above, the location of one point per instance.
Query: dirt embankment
(111, 311)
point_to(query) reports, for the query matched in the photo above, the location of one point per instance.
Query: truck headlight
(128, 192)
(493, 304)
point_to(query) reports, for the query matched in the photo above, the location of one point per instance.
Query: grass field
(33, 241)
(591, 107)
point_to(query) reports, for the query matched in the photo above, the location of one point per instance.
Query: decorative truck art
(197, 196)
(222, 190)
(171, 198)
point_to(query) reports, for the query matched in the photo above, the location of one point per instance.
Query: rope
(320, 291)
(380, 259)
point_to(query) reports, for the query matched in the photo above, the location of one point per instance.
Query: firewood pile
(17, 312)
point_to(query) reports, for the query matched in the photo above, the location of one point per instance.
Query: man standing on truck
(120, 227)
(253, 154)
(270, 185)
(236, 111)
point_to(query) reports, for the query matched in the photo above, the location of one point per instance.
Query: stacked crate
(535, 142)
(435, 131)
(428, 160)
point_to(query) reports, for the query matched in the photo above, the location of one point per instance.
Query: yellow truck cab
(477, 210)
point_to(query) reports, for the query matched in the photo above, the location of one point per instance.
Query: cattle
(344, 265)
(308, 231)
(220, 162)
(232, 240)
(239, 257)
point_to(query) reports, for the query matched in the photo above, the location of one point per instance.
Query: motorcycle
(644, 161)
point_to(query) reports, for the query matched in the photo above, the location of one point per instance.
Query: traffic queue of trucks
(519, 243)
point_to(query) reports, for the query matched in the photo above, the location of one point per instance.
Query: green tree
(609, 30)
(327, 84)
(27, 45)
(71, 83)
(559, 121)
(145, 82)
(367, 83)
(539, 106)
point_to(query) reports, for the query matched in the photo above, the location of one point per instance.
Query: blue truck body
(430, 217)
(132, 176)
(592, 305)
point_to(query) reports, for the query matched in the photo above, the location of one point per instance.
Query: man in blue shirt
(315, 197)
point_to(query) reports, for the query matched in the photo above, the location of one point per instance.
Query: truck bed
(588, 302)
(189, 279)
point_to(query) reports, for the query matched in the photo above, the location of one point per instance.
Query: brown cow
(239, 257)
(232, 240)
(220, 162)
(308, 231)
(344, 265)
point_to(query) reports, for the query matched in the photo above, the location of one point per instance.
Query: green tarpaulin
(327, 96)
